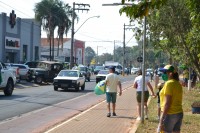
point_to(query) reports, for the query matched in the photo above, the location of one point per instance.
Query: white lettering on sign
(12, 43)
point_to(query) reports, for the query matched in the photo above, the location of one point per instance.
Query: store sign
(12, 43)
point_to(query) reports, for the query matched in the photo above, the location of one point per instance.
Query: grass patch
(191, 122)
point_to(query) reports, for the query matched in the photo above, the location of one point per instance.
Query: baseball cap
(112, 68)
(167, 68)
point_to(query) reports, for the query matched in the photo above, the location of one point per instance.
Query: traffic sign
(139, 59)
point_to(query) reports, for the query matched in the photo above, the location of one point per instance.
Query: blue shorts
(111, 97)
(173, 122)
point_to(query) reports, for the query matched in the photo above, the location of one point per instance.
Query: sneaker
(138, 118)
(114, 114)
(108, 115)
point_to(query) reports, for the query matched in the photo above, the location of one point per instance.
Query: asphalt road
(28, 97)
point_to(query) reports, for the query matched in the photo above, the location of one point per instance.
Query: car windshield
(44, 65)
(99, 67)
(103, 72)
(68, 73)
(82, 68)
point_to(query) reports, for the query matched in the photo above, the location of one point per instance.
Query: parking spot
(25, 84)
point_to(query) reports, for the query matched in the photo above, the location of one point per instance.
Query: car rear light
(17, 72)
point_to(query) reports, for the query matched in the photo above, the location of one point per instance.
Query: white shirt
(139, 80)
(112, 82)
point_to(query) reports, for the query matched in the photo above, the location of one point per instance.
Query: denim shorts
(173, 122)
(111, 97)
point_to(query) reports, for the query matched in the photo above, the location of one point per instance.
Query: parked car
(85, 71)
(98, 68)
(149, 72)
(15, 71)
(32, 64)
(7, 80)
(46, 71)
(24, 71)
(134, 70)
(69, 79)
(101, 75)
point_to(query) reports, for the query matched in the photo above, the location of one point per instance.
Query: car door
(3, 75)
(81, 79)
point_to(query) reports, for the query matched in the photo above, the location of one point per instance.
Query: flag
(100, 88)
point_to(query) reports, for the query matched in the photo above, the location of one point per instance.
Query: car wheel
(83, 87)
(9, 88)
(38, 80)
(29, 79)
(55, 88)
(77, 87)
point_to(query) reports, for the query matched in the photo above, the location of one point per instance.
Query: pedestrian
(171, 102)
(193, 78)
(138, 86)
(185, 76)
(159, 87)
(112, 84)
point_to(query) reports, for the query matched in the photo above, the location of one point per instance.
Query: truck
(117, 65)
(7, 80)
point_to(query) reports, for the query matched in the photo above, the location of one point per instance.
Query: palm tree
(64, 23)
(53, 13)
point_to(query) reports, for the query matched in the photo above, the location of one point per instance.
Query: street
(34, 97)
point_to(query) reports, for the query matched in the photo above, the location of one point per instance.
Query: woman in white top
(138, 86)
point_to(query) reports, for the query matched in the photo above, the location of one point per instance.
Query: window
(25, 53)
(36, 53)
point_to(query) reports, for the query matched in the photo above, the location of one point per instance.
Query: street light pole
(86, 21)
(72, 34)
(143, 72)
(124, 51)
(72, 39)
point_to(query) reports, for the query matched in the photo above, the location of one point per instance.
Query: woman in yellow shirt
(171, 102)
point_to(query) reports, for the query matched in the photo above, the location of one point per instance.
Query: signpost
(139, 59)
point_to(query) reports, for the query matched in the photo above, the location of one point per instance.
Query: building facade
(63, 54)
(19, 39)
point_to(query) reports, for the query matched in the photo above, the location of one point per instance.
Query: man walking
(112, 83)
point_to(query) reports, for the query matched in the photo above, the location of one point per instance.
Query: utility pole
(143, 72)
(114, 52)
(81, 7)
(124, 46)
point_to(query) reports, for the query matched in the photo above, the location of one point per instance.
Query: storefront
(19, 39)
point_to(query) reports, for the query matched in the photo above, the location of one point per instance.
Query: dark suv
(46, 71)
(85, 71)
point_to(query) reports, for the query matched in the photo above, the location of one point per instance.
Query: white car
(69, 79)
(134, 70)
(101, 75)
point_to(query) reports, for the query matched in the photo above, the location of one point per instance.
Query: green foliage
(89, 55)
(139, 9)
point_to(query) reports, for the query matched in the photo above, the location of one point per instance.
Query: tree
(176, 35)
(89, 55)
(140, 8)
(64, 23)
(173, 27)
(53, 13)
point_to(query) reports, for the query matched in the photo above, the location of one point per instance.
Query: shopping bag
(100, 88)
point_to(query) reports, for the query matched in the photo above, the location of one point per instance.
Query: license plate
(64, 85)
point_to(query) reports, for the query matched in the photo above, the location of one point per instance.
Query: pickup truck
(8, 80)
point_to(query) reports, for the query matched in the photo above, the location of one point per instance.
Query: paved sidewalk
(94, 120)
